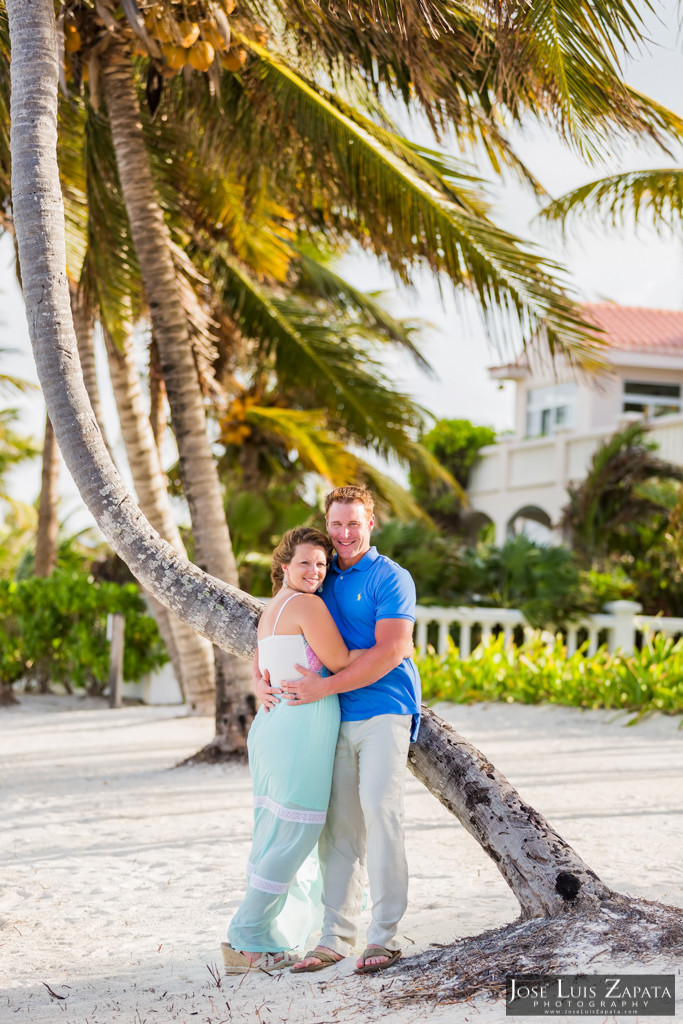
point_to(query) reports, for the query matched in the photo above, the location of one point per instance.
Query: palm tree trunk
(235, 703)
(83, 325)
(190, 654)
(157, 395)
(544, 872)
(48, 522)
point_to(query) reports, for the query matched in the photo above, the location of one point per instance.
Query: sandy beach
(120, 873)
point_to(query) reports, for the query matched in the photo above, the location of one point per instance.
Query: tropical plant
(444, 570)
(15, 448)
(612, 510)
(455, 444)
(52, 631)
(656, 195)
(535, 671)
(544, 582)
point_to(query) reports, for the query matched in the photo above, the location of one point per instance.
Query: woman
(291, 753)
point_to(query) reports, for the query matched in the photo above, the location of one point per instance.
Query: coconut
(212, 34)
(201, 55)
(175, 56)
(189, 33)
(234, 58)
(161, 31)
(72, 39)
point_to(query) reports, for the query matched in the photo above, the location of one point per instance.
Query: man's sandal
(371, 951)
(237, 963)
(326, 960)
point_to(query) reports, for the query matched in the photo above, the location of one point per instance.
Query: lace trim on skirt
(265, 884)
(290, 813)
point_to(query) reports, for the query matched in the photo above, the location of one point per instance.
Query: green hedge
(650, 679)
(54, 631)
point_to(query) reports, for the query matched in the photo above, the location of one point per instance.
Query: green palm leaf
(304, 430)
(321, 361)
(316, 274)
(620, 197)
(111, 274)
(410, 215)
(198, 186)
(461, 62)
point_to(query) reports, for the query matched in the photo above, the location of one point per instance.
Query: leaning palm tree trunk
(235, 705)
(48, 522)
(190, 654)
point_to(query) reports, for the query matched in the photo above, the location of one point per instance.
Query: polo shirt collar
(363, 565)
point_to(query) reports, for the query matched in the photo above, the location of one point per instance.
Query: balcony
(529, 477)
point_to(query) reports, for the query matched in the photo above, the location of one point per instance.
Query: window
(550, 408)
(651, 399)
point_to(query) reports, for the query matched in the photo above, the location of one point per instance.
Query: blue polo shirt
(374, 588)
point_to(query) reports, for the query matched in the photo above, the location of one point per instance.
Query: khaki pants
(365, 819)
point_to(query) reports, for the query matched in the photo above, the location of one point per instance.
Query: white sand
(119, 875)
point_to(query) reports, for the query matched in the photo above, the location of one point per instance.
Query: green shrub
(536, 671)
(456, 445)
(54, 631)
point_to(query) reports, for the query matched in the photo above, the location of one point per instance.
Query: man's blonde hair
(351, 495)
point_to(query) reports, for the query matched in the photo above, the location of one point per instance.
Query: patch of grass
(539, 670)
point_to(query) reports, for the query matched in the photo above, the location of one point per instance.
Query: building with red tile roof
(561, 416)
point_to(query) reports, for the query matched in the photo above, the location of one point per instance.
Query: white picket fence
(618, 626)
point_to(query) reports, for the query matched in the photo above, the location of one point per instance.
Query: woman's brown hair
(284, 552)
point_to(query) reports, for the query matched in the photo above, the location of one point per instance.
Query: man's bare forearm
(372, 665)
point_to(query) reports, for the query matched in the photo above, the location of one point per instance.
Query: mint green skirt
(291, 755)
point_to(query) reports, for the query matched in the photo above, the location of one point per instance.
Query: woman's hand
(265, 692)
(307, 690)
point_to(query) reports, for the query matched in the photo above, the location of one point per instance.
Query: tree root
(215, 753)
(575, 942)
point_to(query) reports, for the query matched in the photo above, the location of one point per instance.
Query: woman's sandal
(371, 951)
(237, 963)
(326, 960)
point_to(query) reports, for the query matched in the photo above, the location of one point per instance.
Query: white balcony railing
(516, 472)
(619, 625)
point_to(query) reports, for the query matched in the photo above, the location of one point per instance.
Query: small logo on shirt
(358, 598)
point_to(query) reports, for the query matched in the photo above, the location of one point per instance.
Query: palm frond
(321, 362)
(612, 498)
(72, 175)
(390, 497)
(327, 283)
(111, 275)
(399, 206)
(198, 185)
(619, 198)
(558, 60)
(304, 430)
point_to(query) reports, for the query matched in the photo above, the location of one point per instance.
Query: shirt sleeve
(396, 595)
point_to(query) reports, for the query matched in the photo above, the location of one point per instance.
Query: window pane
(634, 387)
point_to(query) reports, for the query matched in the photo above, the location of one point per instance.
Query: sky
(626, 266)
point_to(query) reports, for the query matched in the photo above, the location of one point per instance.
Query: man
(372, 601)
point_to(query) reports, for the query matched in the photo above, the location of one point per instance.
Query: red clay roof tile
(637, 328)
